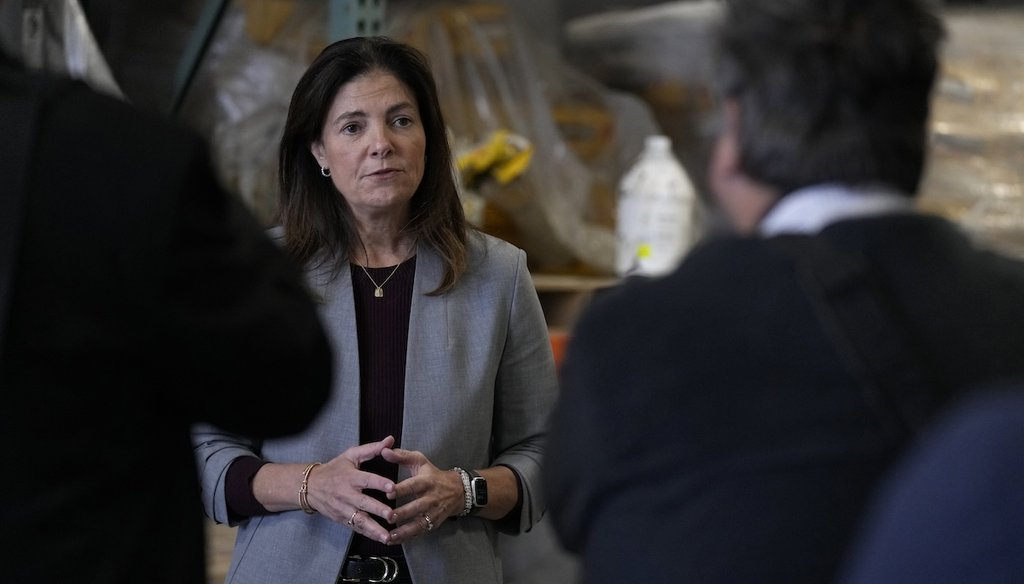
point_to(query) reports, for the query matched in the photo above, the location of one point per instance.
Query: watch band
(478, 488)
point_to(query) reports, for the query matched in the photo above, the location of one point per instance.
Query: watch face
(479, 491)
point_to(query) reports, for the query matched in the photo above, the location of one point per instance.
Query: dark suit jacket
(145, 299)
(708, 430)
(952, 510)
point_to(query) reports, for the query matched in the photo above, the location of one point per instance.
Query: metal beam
(351, 18)
(195, 50)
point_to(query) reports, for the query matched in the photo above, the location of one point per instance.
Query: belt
(373, 569)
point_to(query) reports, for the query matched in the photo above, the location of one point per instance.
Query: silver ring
(430, 524)
(352, 518)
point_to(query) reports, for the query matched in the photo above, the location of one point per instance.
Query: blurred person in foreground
(433, 437)
(139, 298)
(726, 423)
(951, 510)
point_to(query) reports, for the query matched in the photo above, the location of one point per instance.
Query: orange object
(559, 342)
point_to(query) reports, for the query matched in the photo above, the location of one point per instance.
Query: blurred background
(560, 92)
(558, 96)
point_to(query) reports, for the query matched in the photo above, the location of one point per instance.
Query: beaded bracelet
(467, 490)
(304, 488)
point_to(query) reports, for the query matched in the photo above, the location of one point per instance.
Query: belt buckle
(390, 570)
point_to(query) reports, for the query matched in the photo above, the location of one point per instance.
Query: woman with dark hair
(432, 440)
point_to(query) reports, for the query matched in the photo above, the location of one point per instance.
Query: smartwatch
(478, 490)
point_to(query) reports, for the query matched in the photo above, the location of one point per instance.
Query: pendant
(378, 292)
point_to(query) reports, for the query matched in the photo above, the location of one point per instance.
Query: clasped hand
(337, 490)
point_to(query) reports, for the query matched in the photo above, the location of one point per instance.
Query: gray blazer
(480, 382)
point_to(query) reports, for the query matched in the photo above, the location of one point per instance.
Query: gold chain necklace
(378, 289)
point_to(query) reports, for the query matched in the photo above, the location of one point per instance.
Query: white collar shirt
(811, 209)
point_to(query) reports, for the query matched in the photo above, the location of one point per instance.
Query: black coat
(951, 510)
(145, 299)
(708, 429)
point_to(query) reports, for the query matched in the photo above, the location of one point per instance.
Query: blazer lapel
(427, 354)
(339, 316)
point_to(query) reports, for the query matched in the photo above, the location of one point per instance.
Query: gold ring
(430, 524)
(352, 518)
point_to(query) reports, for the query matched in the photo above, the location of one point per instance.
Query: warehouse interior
(571, 87)
(580, 82)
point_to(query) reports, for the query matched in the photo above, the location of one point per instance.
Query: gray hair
(830, 90)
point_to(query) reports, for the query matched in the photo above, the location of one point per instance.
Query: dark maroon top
(382, 333)
(382, 326)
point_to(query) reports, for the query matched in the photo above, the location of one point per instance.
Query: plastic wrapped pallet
(976, 174)
(662, 53)
(494, 77)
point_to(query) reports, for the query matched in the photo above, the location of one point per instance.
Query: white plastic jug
(656, 207)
